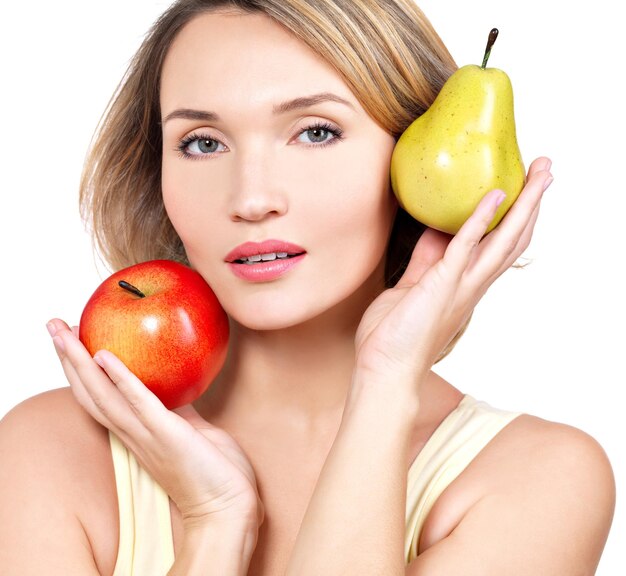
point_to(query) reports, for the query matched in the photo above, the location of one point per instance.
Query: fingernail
(51, 328)
(500, 199)
(58, 342)
(98, 360)
(547, 183)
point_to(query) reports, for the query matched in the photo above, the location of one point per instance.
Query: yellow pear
(462, 147)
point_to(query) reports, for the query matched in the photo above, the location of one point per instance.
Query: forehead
(241, 59)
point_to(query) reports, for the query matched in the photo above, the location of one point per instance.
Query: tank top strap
(450, 449)
(145, 543)
(145, 531)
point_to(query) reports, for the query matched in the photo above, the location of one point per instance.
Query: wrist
(236, 531)
(222, 546)
(394, 397)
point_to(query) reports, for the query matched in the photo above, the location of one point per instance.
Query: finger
(110, 408)
(158, 422)
(539, 164)
(429, 249)
(218, 436)
(78, 389)
(431, 246)
(143, 402)
(516, 253)
(189, 413)
(54, 325)
(507, 241)
(522, 243)
(462, 247)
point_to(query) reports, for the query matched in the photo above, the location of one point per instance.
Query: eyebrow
(290, 105)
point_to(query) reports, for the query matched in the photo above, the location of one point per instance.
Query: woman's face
(267, 152)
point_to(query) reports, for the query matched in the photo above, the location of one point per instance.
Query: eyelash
(337, 133)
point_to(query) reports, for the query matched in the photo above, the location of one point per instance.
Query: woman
(326, 445)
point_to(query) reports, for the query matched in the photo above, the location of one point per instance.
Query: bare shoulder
(50, 408)
(51, 429)
(552, 456)
(538, 485)
(56, 477)
(541, 445)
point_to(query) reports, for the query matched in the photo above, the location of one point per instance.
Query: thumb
(191, 415)
(429, 249)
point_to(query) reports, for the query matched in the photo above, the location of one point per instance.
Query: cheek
(196, 214)
(184, 198)
(176, 204)
(357, 203)
(353, 217)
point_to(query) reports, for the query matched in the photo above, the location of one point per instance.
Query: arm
(355, 520)
(201, 467)
(58, 503)
(538, 500)
(542, 499)
(220, 548)
(40, 526)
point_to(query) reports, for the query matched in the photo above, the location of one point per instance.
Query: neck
(301, 373)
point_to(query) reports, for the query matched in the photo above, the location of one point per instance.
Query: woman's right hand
(201, 467)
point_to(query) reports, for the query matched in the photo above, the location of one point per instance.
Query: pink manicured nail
(547, 183)
(500, 199)
(98, 360)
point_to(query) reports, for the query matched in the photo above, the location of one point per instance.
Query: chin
(320, 307)
(274, 317)
(300, 300)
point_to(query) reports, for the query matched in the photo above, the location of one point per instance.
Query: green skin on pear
(462, 147)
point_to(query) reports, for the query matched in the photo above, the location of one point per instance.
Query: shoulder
(51, 426)
(551, 454)
(50, 436)
(56, 458)
(528, 479)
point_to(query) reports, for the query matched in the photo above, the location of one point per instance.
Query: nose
(257, 189)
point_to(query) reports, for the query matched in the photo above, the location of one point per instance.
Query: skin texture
(267, 180)
(313, 357)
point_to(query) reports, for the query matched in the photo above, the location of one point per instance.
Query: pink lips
(265, 260)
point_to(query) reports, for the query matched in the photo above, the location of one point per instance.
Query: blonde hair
(386, 51)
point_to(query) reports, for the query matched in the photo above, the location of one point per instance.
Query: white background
(548, 339)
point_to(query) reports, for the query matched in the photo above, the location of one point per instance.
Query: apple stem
(490, 42)
(131, 288)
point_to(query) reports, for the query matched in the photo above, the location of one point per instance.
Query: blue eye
(198, 145)
(321, 134)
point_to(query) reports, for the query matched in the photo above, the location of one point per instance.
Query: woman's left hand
(406, 329)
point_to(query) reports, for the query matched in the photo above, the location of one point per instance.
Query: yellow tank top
(146, 545)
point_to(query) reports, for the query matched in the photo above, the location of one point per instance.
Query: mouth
(252, 253)
(260, 258)
(264, 261)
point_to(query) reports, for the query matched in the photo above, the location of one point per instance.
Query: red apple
(165, 323)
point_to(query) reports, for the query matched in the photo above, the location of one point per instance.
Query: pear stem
(132, 289)
(490, 42)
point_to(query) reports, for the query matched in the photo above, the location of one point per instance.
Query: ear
(429, 249)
